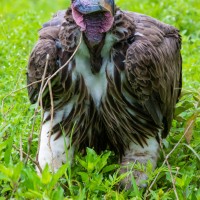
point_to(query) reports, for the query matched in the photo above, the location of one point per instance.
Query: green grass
(93, 176)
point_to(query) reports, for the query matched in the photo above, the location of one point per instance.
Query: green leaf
(6, 171)
(4, 177)
(110, 168)
(84, 176)
(82, 162)
(33, 194)
(4, 129)
(17, 171)
(31, 180)
(6, 188)
(58, 194)
(103, 161)
(81, 194)
(2, 146)
(61, 171)
(7, 154)
(46, 175)
(92, 159)
(135, 187)
(195, 153)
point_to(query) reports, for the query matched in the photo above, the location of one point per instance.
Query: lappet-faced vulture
(117, 78)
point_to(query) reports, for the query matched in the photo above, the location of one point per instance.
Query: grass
(94, 176)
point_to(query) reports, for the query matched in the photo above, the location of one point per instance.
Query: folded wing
(153, 68)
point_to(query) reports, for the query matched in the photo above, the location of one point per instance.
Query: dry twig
(51, 122)
(67, 62)
(29, 157)
(21, 148)
(51, 98)
(36, 108)
(169, 167)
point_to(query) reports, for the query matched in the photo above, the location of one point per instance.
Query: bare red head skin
(94, 17)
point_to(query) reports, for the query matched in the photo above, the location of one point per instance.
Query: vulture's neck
(95, 50)
(96, 35)
(95, 28)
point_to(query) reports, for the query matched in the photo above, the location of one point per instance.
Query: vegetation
(94, 176)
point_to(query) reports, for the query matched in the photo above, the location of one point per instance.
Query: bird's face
(94, 17)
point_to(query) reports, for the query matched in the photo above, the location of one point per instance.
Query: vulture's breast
(96, 83)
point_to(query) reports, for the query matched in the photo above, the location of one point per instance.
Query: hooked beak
(91, 6)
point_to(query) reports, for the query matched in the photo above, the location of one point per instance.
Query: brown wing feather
(48, 37)
(153, 68)
(58, 38)
(37, 63)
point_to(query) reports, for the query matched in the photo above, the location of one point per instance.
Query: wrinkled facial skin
(94, 17)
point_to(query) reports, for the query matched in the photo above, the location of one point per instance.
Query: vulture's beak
(92, 6)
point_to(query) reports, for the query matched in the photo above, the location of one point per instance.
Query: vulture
(106, 79)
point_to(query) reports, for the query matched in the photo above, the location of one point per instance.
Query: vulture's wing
(153, 67)
(47, 44)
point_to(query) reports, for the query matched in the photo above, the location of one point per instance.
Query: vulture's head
(94, 17)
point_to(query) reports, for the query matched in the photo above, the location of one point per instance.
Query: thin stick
(168, 155)
(39, 138)
(21, 148)
(169, 167)
(29, 157)
(67, 62)
(37, 105)
(51, 96)
(51, 122)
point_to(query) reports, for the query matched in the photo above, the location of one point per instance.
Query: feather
(120, 91)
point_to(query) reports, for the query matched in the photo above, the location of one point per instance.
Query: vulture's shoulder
(153, 30)
(55, 35)
(46, 44)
